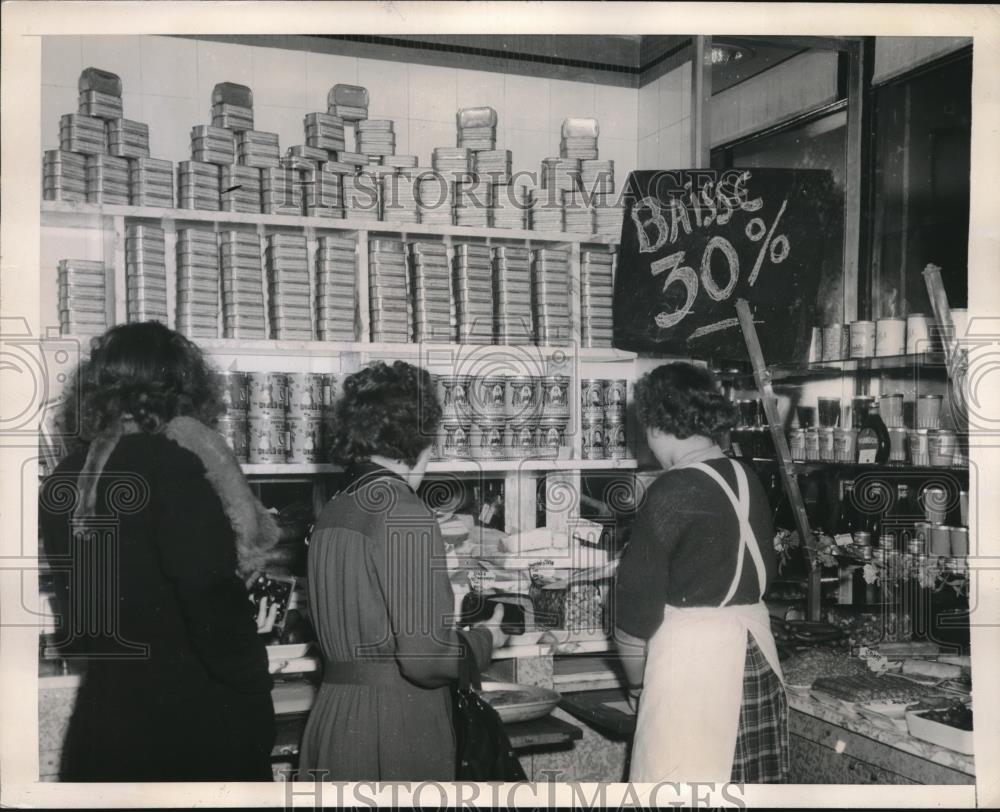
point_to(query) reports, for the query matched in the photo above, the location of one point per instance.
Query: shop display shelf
(927, 362)
(448, 467)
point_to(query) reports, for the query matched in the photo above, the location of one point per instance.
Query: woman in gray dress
(380, 598)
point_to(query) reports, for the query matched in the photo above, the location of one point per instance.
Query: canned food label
(455, 441)
(617, 448)
(234, 432)
(491, 393)
(268, 440)
(305, 392)
(305, 440)
(615, 394)
(522, 440)
(593, 395)
(593, 442)
(522, 396)
(234, 391)
(268, 391)
(554, 395)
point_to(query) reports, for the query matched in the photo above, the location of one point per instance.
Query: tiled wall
(665, 121)
(168, 84)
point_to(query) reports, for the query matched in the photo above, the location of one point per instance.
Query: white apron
(689, 710)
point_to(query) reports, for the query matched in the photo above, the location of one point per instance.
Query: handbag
(483, 751)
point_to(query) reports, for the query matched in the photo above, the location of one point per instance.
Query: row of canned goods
(501, 439)
(276, 439)
(603, 439)
(601, 399)
(487, 399)
(923, 447)
(275, 394)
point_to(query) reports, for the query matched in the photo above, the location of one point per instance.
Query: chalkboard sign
(694, 241)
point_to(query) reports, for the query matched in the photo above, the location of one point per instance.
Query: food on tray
(956, 715)
(508, 697)
(802, 668)
(930, 669)
(872, 628)
(871, 688)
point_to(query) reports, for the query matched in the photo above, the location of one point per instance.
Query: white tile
(671, 103)
(624, 152)
(116, 54)
(617, 110)
(55, 103)
(433, 93)
(686, 88)
(424, 136)
(285, 121)
(530, 148)
(675, 145)
(132, 106)
(570, 100)
(526, 102)
(649, 109)
(279, 77)
(479, 88)
(62, 60)
(221, 62)
(387, 88)
(169, 66)
(170, 121)
(323, 71)
(648, 157)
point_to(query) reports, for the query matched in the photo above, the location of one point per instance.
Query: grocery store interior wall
(168, 83)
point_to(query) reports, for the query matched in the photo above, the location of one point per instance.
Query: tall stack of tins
(596, 298)
(268, 417)
(477, 128)
(512, 294)
(375, 137)
(336, 275)
(232, 107)
(472, 287)
(602, 425)
(233, 425)
(83, 297)
(430, 282)
(550, 295)
(289, 290)
(242, 287)
(197, 283)
(145, 273)
(388, 292)
(305, 417)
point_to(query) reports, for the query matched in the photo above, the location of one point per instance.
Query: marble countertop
(807, 704)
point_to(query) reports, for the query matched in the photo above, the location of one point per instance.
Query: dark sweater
(684, 545)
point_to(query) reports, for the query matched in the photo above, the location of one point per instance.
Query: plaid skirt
(762, 741)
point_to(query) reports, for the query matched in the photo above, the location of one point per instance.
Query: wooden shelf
(58, 212)
(857, 467)
(448, 467)
(920, 362)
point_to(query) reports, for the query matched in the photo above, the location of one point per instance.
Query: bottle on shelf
(873, 440)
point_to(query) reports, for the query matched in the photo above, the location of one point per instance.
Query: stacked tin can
(83, 298)
(107, 180)
(453, 162)
(430, 281)
(603, 419)
(258, 149)
(436, 197)
(509, 206)
(349, 102)
(288, 287)
(331, 394)
(64, 176)
(336, 275)
(322, 193)
(578, 213)
(375, 136)
(304, 157)
(454, 440)
(356, 160)
(561, 174)
(82, 134)
(268, 417)
(240, 189)
(477, 128)
(100, 94)
(242, 286)
(495, 164)
(127, 139)
(281, 191)
(579, 138)
(145, 273)
(213, 145)
(547, 213)
(472, 285)
(362, 197)
(598, 178)
(596, 298)
(325, 131)
(197, 283)
(233, 423)
(151, 182)
(199, 186)
(512, 294)
(400, 161)
(232, 107)
(400, 203)
(550, 295)
(472, 202)
(555, 415)
(388, 291)
(305, 417)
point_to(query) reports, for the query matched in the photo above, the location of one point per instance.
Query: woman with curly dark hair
(380, 598)
(149, 526)
(691, 626)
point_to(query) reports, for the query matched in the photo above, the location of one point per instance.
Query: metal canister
(268, 438)
(862, 339)
(959, 541)
(833, 341)
(940, 540)
(920, 447)
(492, 436)
(918, 334)
(555, 396)
(812, 445)
(827, 448)
(489, 397)
(890, 409)
(862, 538)
(234, 391)
(897, 444)
(615, 440)
(615, 399)
(593, 440)
(866, 552)
(305, 394)
(305, 439)
(929, 411)
(331, 390)
(890, 337)
(233, 429)
(551, 436)
(943, 445)
(522, 400)
(522, 440)
(453, 391)
(845, 444)
(861, 407)
(268, 394)
(592, 398)
(797, 444)
(453, 440)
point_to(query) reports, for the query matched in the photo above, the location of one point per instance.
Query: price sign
(695, 241)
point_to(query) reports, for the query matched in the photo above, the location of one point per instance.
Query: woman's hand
(493, 626)
(266, 616)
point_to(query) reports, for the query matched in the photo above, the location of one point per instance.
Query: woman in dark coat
(146, 528)
(380, 598)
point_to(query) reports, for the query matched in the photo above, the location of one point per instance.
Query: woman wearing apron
(691, 625)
